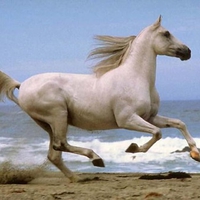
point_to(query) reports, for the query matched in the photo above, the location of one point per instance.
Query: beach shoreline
(101, 186)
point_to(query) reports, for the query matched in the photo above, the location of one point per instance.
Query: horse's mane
(111, 52)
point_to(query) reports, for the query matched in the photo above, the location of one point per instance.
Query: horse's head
(164, 43)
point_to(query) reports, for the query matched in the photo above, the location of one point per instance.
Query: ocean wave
(158, 158)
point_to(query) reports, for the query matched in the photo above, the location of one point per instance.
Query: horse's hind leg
(56, 156)
(59, 128)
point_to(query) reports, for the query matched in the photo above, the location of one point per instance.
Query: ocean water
(25, 144)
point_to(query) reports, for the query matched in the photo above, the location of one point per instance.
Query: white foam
(158, 158)
(115, 151)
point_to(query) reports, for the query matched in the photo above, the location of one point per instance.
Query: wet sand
(101, 186)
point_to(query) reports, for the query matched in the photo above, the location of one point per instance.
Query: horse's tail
(7, 87)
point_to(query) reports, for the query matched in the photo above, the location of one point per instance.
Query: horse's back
(47, 87)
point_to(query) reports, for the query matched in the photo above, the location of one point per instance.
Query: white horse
(120, 94)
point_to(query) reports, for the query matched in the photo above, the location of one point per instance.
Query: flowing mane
(111, 52)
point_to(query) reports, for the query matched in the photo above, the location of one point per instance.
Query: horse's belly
(88, 125)
(92, 121)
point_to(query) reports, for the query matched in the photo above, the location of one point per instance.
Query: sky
(57, 35)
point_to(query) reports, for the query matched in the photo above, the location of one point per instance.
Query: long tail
(7, 87)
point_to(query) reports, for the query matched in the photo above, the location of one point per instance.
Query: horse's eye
(167, 34)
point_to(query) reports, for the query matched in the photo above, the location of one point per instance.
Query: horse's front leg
(136, 123)
(165, 122)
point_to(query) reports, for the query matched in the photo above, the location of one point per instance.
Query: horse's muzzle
(183, 53)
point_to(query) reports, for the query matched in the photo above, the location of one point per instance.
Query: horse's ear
(158, 22)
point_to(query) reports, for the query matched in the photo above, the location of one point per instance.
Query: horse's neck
(141, 63)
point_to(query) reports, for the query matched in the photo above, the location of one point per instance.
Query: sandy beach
(101, 186)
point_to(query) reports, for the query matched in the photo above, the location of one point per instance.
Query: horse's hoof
(98, 162)
(195, 155)
(133, 148)
(74, 179)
